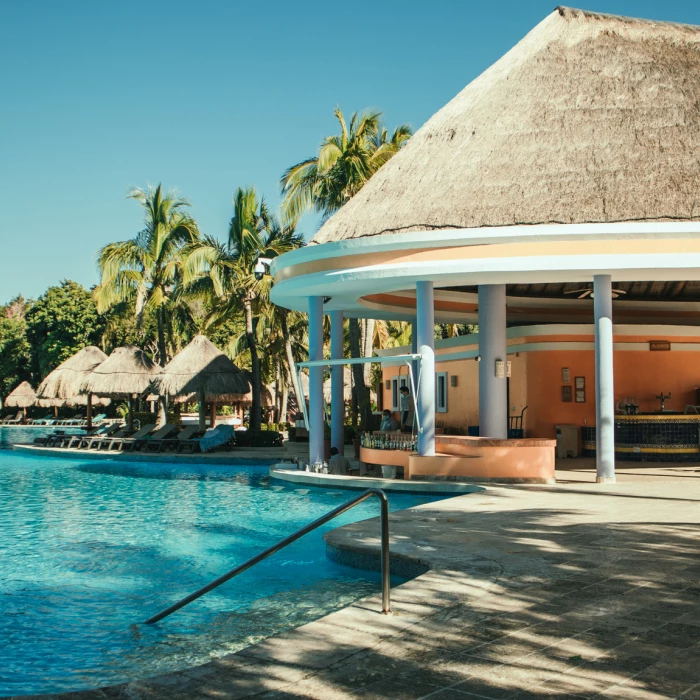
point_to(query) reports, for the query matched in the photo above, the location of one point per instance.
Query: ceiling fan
(585, 292)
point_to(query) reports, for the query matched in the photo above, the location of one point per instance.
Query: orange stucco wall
(638, 374)
(536, 382)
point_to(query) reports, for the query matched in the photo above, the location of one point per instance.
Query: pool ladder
(384, 526)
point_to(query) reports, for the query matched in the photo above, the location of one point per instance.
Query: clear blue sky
(206, 96)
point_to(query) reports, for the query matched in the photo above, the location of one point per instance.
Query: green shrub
(265, 438)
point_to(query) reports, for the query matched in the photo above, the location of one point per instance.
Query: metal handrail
(384, 525)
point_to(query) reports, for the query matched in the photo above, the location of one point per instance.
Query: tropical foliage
(168, 282)
(60, 322)
(143, 273)
(324, 183)
(223, 276)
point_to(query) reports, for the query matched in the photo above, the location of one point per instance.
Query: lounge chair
(212, 439)
(88, 442)
(47, 439)
(49, 420)
(75, 440)
(98, 419)
(76, 420)
(162, 433)
(173, 443)
(120, 442)
(106, 440)
(16, 420)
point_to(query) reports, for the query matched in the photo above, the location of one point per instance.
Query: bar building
(554, 201)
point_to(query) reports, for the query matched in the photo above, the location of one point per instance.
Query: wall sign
(566, 394)
(580, 396)
(659, 345)
(580, 382)
(565, 375)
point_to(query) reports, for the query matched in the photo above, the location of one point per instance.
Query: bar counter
(659, 437)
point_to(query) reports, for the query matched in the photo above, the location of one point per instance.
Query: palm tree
(345, 162)
(324, 183)
(224, 273)
(146, 270)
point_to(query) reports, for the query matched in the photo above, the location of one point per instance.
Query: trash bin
(388, 472)
(568, 441)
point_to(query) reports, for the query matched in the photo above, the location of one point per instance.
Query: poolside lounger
(47, 439)
(49, 420)
(119, 443)
(88, 442)
(14, 421)
(214, 437)
(75, 440)
(106, 440)
(76, 420)
(172, 443)
(154, 439)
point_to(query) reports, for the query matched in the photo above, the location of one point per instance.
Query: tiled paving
(568, 591)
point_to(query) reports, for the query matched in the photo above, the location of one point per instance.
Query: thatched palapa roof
(126, 371)
(66, 381)
(22, 396)
(590, 118)
(201, 366)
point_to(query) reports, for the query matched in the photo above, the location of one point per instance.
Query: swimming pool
(91, 548)
(25, 434)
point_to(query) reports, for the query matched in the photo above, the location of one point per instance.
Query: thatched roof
(126, 371)
(66, 381)
(347, 386)
(22, 396)
(589, 119)
(201, 366)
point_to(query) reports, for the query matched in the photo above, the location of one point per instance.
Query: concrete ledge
(333, 481)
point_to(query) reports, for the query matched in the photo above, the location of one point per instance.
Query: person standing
(405, 406)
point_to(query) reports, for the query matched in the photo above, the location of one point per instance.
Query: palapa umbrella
(22, 397)
(126, 373)
(201, 370)
(64, 385)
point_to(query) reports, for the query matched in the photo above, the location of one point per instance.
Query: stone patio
(569, 591)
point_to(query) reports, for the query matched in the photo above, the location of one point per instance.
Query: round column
(337, 382)
(425, 338)
(493, 388)
(604, 380)
(315, 380)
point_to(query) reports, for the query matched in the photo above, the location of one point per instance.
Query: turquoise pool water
(25, 434)
(91, 548)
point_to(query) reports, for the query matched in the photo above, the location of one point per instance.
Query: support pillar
(337, 382)
(493, 389)
(425, 338)
(415, 364)
(604, 380)
(316, 418)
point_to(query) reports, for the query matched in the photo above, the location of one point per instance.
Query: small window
(394, 393)
(441, 392)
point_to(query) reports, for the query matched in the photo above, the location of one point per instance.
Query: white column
(493, 389)
(604, 380)
(415, 365)
(315, 380)
(425, 338)
(337, 382)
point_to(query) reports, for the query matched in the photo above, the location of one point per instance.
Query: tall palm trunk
(290, 358)
(367, 347)
(361, 389)
(162, 418)
(255, 417)
(162, 351)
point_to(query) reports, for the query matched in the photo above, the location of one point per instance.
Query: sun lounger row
(116, 437)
